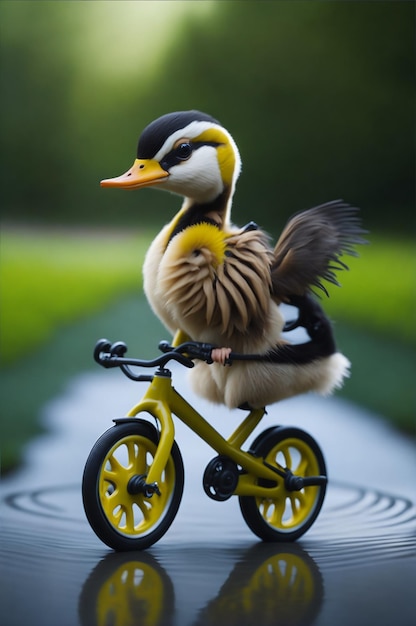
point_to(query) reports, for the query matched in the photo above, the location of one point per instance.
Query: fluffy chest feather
(211, 283)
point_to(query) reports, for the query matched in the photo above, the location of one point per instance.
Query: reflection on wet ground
(355, 566)
(281, 585)
(49, 547)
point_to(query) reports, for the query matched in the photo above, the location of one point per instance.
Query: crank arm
(246, 486)
(296, 483)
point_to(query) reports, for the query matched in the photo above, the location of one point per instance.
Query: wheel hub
(137, 484)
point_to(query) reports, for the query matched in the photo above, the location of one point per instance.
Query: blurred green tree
(37, 77)
(318, 95)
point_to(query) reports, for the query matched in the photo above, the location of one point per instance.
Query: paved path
(354, 566)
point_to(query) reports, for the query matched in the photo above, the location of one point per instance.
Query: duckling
(211, 281)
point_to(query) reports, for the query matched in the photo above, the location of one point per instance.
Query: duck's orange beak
(143, 173)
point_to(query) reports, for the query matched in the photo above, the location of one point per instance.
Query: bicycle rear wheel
(121, 519)
(292, 513)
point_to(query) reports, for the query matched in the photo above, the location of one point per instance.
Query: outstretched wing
(310, 247)
(216, 278)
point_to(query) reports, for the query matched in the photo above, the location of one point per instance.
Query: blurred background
(319, 97)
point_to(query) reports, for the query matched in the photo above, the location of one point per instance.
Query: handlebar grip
(107, 353)
(164, 346)
(119, 348)
(101, 347)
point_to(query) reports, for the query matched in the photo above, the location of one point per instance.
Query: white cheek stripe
(194, 129)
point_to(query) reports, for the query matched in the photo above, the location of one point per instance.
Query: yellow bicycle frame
(161, 400)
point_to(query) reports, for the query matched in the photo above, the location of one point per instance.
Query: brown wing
(310, 247)
(217, 279)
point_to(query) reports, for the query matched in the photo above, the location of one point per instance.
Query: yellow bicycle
(133, 479)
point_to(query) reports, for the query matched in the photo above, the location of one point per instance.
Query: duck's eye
(183, 151)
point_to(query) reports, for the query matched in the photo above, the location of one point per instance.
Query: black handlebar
(111, 355)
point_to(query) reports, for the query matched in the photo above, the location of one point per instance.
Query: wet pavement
(356, 565)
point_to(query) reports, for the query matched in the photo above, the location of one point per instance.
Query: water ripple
(355, 525)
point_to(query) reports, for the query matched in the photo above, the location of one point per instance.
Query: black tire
(122, 520)
(289, 516)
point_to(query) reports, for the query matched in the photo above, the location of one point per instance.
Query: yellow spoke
(141, 465)
(295, 504)
(303, 466)
(132, 453)
(113, 498)
(110, 476)
(115, 464)
(117, 516)
(267, 504)
(273, 511)
(288, 459)
(146, 510)
(128, 510)
(279, 511)
(297, 498)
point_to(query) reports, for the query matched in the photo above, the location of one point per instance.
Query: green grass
(382, 375)
(50, 279)
(378, 294)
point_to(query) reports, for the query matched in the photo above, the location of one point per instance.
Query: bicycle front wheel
(121, 519)
(292, 513)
